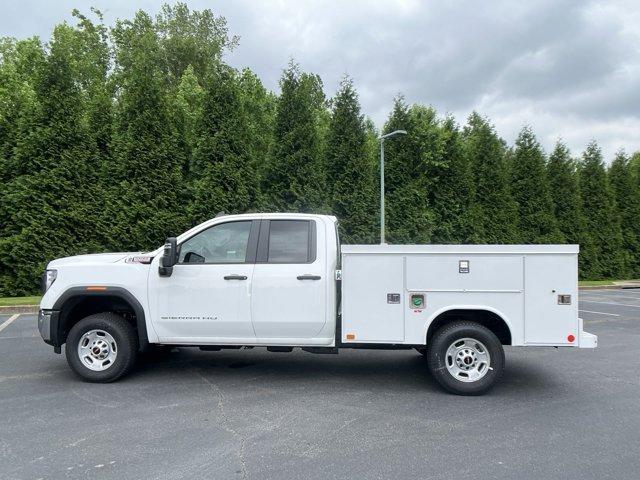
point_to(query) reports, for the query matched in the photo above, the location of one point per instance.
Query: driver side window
(223, 243)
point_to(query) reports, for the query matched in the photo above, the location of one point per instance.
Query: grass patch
(595, 283)
(599, 283)
(9, 301)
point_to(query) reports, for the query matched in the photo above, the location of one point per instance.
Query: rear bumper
(586, 339)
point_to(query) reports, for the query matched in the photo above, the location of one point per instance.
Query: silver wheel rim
(97, 350)
(468, 360)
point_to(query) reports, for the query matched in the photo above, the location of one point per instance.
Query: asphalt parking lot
(570, 414)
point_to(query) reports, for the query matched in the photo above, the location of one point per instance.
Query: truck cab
(250, 280)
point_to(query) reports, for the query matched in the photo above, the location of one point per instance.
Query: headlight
(48, 278)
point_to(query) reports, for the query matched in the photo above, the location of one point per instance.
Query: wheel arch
(489, 317)
(80, 301)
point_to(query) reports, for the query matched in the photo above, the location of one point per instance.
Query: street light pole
(382, 138)
(382, 242)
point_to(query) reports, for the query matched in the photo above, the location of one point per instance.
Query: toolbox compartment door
(486, 273)
(372, 298)
(548, 322)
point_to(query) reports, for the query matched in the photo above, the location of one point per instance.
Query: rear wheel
(465, 358)
(101, 348)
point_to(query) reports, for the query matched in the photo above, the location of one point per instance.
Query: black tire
(437, 357)
(122, 333)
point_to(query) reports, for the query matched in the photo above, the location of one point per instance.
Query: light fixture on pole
(382, 139)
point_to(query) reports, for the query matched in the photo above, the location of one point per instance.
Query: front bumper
(48, 326)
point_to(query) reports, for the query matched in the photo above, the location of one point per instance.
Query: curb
(11, 309)
(623, 286)
(600, 287)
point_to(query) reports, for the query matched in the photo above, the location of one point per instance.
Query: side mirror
(169, 257)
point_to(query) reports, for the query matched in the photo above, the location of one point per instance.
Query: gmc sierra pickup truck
(283, 281)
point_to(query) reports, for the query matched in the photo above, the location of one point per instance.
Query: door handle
(309, 277)
(235, 277)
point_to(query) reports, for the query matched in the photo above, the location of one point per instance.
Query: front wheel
(101, 348)
(465, 358)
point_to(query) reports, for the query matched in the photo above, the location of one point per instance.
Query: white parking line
(600, 313)
(611, 303)
(9, 321)
(611, 296)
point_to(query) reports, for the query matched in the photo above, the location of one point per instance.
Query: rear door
(289, 282)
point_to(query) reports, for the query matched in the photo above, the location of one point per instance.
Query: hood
(94, 258)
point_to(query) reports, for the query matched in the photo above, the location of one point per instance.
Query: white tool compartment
(391, 294)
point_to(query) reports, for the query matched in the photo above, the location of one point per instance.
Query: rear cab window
(287, 241)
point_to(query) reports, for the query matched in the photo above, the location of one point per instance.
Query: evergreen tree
(453, 192)
(634, 162)
(350, 172)
(294, 178)
(91, 63)
(496, 210)
(186, 112)
(625, 189)
(260, 108)
(21, 62)
(603, 239)
(565, 193)
(146, 176)
(50, 205)
(191, 38)
(372, 151)
(634, 166)
(536, 222)
(92, 57)
(223, 171)
(407, 159)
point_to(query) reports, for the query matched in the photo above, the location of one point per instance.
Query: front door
(207, 298)
(289, 280)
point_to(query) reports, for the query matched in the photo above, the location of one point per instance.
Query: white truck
(283, 281)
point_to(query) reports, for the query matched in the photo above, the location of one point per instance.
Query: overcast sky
(568, 68)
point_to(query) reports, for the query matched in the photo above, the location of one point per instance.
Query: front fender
(80, 292)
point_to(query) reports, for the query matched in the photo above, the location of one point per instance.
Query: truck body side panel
(518, 283)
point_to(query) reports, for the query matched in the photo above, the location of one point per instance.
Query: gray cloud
(569, 68)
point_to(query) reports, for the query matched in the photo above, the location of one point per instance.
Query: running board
(321, 350)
